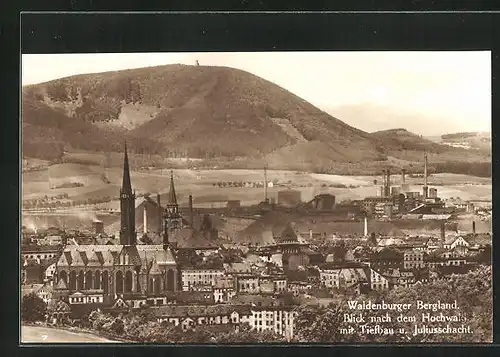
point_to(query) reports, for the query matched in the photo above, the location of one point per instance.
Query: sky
(451, 90)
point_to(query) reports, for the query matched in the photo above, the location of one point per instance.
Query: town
(282, 253)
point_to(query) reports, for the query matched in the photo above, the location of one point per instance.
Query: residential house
(413, 259)
(192, 276)
(224, 290)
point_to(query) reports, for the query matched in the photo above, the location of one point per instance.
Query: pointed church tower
(173, 219)
(128, 235)
(172, 206)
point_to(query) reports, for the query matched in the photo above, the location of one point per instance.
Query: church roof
(155, 268)
(165, 257)
(108, 255)
(64, 259)
(94, 260)
(133, 255)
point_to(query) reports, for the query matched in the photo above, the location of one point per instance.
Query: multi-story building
(413, 259)
(192, 276)
(248, 284)
(40, 253)
(224, 290)
(278, 319)
(377, 281)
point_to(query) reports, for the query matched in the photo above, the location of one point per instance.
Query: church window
(88, 280)
(81, 278)
(97, 280)
(128, 281)
(119, 282)
(105, 281)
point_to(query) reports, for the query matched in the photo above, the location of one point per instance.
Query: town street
(39, 334)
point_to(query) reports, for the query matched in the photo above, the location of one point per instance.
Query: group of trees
(241, 183)
(33, 308)
(51, 203)
(142, 326)
(480, 169)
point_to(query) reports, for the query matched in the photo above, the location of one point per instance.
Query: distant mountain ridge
(199, 112)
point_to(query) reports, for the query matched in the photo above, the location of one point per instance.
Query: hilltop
(212, 113)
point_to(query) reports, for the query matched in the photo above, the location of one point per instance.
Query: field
(202, 184)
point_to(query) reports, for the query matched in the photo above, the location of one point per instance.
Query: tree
(315, 323)
(33, 308)
(244, 334)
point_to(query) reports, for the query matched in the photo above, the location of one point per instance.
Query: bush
(33, 308)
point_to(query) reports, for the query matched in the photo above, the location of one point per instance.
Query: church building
(128, 272)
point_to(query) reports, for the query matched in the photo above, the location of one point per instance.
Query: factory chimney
(474, 227)
(159, 214)
(388, 184)
(191, 210)
(145, 218)
(265, 183)
(426, 195)
(366, 228)
(384, 178)
(403, 178)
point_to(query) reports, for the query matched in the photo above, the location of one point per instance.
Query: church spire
(172, 198)
(126, 184)
(128, 235)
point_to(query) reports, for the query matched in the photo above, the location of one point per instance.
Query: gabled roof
(165, 257)
(65, 259)
(93, 260)
(132, 253)
(155, 268)
(61, 285)
(77, 258)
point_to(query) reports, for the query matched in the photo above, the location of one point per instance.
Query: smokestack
(191, 210)
(366, 227)
(388, 183)
(310, 234)
(159, 213)
(474, 227)
(443, 234)
(265, 183)
(145, 219)
(426, 194)
(425, 169)
(403, 178)
(384, 178)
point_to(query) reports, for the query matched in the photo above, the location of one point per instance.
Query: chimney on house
(191, 210)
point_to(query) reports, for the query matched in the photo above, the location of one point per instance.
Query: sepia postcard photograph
(256, 197)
